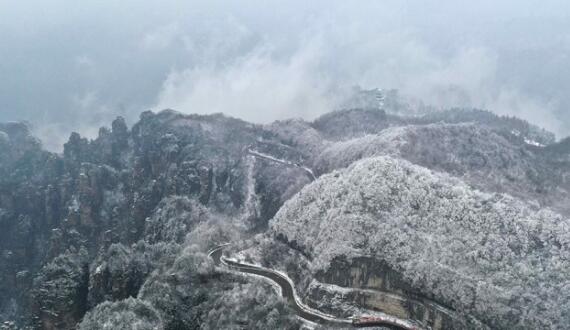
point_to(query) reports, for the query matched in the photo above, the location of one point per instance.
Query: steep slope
(488, 255)
(62, 216)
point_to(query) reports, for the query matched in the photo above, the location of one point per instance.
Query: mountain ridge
(112, 218)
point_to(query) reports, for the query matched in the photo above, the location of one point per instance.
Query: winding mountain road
(288, 292)
(287, 163)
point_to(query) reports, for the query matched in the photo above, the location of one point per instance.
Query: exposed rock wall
(374, 285)
(146, 186)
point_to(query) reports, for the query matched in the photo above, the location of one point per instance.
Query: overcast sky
(74, 65)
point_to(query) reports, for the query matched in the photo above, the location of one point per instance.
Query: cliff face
(372, 284)
(113, 223)
(62, 215)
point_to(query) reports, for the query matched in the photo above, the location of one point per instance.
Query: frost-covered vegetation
(62, 285)
(250, 306)
(485, 254)
(116, 230)
(485, 158)
(121, 315)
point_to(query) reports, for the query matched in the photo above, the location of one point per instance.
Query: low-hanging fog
(68, 65)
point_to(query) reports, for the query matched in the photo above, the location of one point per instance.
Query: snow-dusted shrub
(250, 306)
(122, 270)
(129, 314)
(173, 218)
(60, 290)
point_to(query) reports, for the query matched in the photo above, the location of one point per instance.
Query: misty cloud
(71, 66)
(256, 87)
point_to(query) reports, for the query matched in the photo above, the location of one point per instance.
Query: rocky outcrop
(374, 285)
(60, 291)
(147, 186)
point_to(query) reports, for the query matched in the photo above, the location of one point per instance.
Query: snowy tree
(485, 254)
(129, 314)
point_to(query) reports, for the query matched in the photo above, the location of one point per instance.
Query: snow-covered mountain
(485, 254)
(460, 217)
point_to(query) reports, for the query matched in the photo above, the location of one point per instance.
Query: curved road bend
(288, 293)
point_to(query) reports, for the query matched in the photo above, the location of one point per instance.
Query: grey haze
(71, 66)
